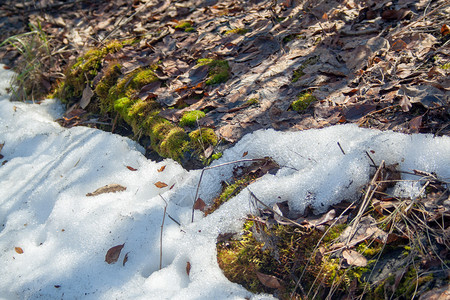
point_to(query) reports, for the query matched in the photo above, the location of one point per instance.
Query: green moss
(445, 66)
(190, 118)
(202, 138)
(252, 101)
(216, 156)
(83, 72)
(186, 26)
(110, 78)
(174, 144)
(240, 31)
(299, 71)
(229, 191)
(219, 70)
(303, 101)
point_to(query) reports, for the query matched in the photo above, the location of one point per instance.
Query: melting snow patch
(47, 171)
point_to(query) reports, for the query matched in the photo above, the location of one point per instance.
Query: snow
(65, 235)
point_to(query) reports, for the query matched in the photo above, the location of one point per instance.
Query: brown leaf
(269, 280)
(445, 30)
(109, 188)
(160, 184)
(131, 168)
(188, 268)
(245, 154)
(399, 45)
(18, 250)
(125, 259)
(200, 204)
(415, 124)
(162, 168)
(113, 254)
(354, 258)
(86, 98)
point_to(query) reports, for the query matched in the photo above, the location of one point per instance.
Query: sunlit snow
(47, 171)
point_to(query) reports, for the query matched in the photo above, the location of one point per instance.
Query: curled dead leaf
(18, 250)
(109, 188)
(113, 254)
(269, 280)
(162, 168)
(160, 184)
(125, 259)
(131, 168)
(245, 154)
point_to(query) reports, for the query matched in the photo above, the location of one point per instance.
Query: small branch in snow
(340, 147)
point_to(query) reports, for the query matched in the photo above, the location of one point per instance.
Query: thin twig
(161, 236)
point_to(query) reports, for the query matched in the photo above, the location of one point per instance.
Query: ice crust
(65, 235)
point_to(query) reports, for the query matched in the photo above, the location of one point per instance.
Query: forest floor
(293, 65)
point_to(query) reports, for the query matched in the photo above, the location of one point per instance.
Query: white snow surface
(65, 235)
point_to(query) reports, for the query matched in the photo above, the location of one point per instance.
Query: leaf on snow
(125, 259)
(18, 250)
(162, 168)
(268, 280)
(113, 254)
(131, 168)
(199, 204)
(188, 268)
(160, 184)
(109, 188)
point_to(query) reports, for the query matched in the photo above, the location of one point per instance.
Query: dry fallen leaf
(131, 168)
(245, 154)
(445, 30)
(109, 188)
(268, 280)
(113, 254)
(86, 97)
(161, 169)
(160, 184)
(18, 250)
(200, 204)
(125, 259)
(354, 258)
(188, 268)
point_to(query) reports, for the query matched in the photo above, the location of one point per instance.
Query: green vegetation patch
(299, 71)
(190, 118)
(303, 101)
(241, 31)
(185, 25)
(281, 251)
(83, 72)
(219, 70)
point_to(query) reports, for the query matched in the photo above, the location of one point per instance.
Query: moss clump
(190, 118)
(131, 84)
(445, 66)
(167, 139)
(219, 70)
(303, 101)
(174, 144)
(83, 72)
(110, 78)
(186, 26)
(201, 139)
(299, 71)
(240, 31)
(281, 251)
